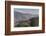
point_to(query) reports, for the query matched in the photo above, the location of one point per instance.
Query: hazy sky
(27, 11)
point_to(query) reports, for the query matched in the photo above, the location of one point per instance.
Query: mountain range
(23, 14)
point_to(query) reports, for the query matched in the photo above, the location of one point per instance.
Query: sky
(27, 11)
